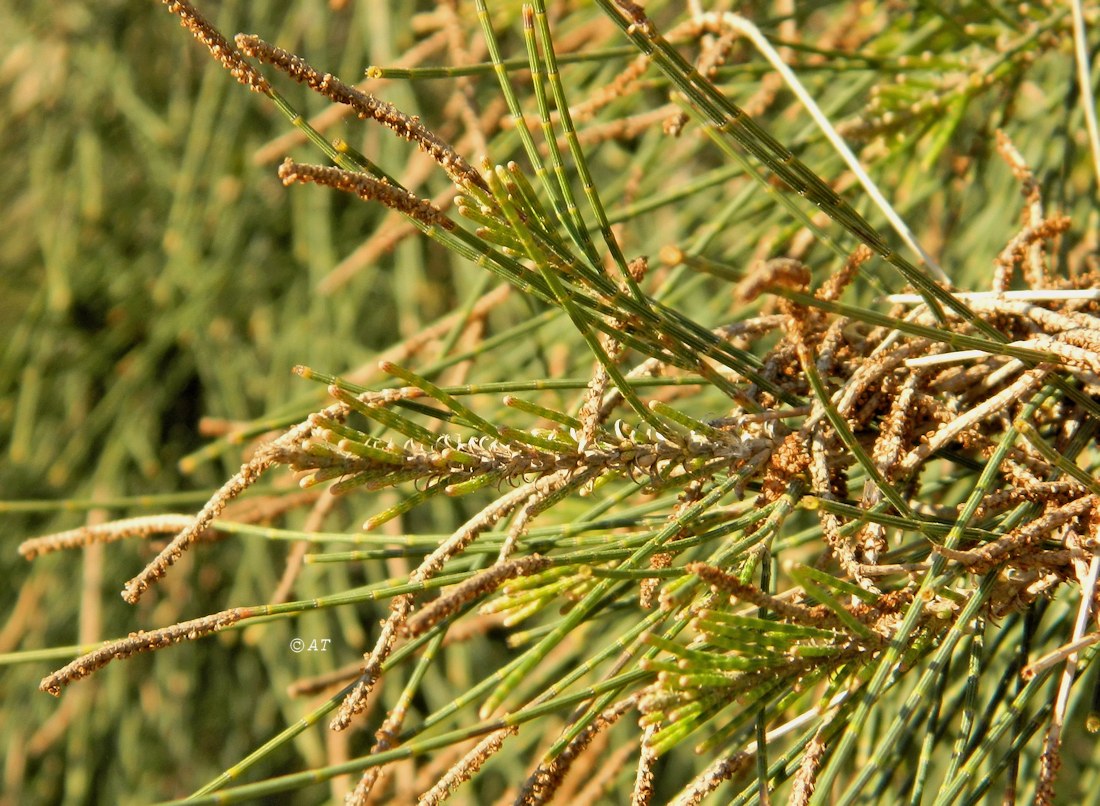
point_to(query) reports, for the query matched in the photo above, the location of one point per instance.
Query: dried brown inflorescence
(465, 768)
(366, 106)
(249, 473)
(138, 642)
(365, 187)
(229, 57)
(474, 589)
(144, 526)
(542, 784)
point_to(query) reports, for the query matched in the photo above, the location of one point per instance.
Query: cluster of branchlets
(905, 397)
(809, 643)
(928, 85)
(335, 451)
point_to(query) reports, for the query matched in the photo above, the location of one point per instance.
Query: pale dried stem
(729, 20)
(1072, 295)
(997, 404)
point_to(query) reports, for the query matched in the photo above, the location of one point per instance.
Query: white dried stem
(1026, 384)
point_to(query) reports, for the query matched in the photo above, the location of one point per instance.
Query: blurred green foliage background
(152, 272)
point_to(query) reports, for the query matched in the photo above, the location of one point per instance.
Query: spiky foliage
(800, 499)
